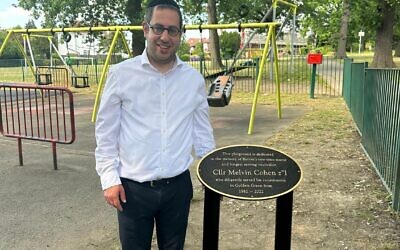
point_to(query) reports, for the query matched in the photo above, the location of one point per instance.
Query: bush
(185, 57)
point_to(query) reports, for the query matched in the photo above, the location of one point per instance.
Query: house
(283, 43)
(193, 41)
(78, 45)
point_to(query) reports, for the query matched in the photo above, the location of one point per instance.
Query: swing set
(79, 80)
(221, 88)
(218, 93)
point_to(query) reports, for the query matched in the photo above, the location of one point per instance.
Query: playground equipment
(46, 74)
(224, 85)
(220, 91)
(293, 9)
(270, 43)
(80, 80)
(221, 88)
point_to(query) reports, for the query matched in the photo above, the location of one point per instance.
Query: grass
(368, 57)
(271, 99)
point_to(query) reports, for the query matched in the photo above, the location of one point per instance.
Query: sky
(11, 16)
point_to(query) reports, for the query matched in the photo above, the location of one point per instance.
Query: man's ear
(145, 28)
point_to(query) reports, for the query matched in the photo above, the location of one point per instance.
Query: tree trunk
(363, 44)
(341, 50)
(397, 49)
(383, 57)
(214, 39)
(135, 16)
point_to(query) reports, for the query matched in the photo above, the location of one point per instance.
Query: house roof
(193, 41)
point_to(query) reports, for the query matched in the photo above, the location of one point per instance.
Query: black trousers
(164, 203)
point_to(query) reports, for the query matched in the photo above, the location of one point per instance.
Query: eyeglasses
(158, 29)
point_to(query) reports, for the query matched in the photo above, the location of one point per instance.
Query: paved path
(46, 209)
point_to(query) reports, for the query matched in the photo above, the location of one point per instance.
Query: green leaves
(230, 43)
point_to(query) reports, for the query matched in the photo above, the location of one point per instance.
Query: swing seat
(80, 81)
(220, 91)
(43, 79)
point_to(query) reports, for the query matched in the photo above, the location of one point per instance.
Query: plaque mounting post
(212, 201)
(248, 172)
(283, 221)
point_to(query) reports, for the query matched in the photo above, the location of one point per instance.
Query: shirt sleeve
(203, 132)
(107, 132)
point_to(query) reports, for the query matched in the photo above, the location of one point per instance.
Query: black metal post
(54, 147)
(312, 85)
(212, 202)
(21, 159)
(283, 223)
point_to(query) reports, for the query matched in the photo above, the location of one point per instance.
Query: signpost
(248, 172)
(360, 34)
(314, 59)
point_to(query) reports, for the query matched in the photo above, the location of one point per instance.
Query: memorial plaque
(249, 172)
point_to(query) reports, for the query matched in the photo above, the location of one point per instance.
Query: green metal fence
(373, 97)
(347, 80)
(357, 93)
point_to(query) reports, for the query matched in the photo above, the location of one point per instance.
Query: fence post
(347, 80)
(312, 85)
(20, 156)
(95, 70)
(201, 66)
(257, 60)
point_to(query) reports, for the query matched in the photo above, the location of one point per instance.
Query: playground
(340, 204)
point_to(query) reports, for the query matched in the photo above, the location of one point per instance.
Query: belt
(160, 182)
(165, 181)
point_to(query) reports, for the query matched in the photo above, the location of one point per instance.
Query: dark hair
(163, 4)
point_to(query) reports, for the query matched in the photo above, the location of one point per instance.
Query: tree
(90, 13)
(341, 50)
(230, 43)
(135, 15)
(184, 51)
(11, 50)
(225, 11)
(39, 45)
(214, 39)
(376, 18)
(383, 57)
(323, 18)
(198, 50)
(396, 41)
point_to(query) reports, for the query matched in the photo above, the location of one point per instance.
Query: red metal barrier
(40, 113)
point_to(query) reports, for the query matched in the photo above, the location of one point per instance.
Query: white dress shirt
(149, 122)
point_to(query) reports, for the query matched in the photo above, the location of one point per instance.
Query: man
(152, 113)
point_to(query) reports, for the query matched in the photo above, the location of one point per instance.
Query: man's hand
(114, 195)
